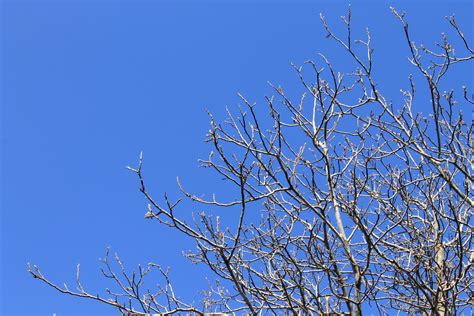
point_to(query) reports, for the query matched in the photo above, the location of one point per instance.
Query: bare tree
(365, 204)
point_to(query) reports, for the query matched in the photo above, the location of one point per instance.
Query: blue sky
(87, 85)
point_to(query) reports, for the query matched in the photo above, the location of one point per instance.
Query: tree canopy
(364, 203)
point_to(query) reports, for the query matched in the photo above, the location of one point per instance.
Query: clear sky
(88, 84)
